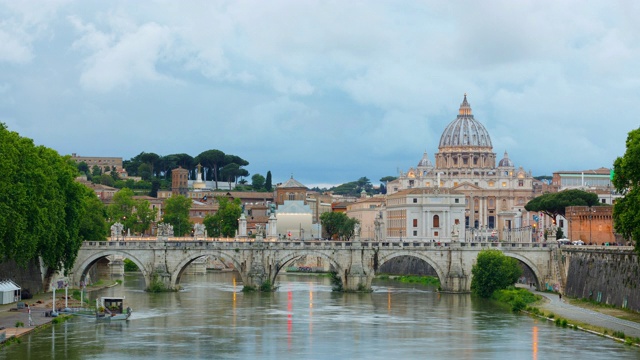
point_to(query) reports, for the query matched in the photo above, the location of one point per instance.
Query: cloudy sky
(329, 91)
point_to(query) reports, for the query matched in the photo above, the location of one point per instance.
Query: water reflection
(304, 319)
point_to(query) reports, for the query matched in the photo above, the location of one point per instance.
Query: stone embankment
(608, 275)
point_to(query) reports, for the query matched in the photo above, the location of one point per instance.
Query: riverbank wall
(608, 275)
(30, 277)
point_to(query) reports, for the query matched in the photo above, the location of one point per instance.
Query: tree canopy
(225, 221)
(338, 225)
(176, 213)
(493, 271)
(626, 180)
(41, 205)
(553, 204)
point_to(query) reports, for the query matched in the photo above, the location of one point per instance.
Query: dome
(465, 131)
(505, 162)
(425, 162)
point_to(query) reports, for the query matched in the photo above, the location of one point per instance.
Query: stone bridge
(356, 262)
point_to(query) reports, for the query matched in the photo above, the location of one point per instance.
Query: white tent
(9, 292)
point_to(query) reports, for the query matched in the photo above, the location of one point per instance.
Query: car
(564, 242)
(578, 242)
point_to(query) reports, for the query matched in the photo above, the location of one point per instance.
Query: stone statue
(116, 230)
(454, 230)
(198, 229)
(165, 229)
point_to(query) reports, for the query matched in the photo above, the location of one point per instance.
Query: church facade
(494, 196)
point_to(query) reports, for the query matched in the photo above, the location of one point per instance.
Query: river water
(304, 319)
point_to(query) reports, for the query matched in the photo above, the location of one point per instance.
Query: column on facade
(447, 227)
(428, 229)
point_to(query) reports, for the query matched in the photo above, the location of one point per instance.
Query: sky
(324, 91)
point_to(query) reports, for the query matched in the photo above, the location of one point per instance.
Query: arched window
(436, 221)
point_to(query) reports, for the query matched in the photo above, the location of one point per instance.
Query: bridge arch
(394, 254)
(282, 261)
(81, 268)
(524, 260)
(190, 257)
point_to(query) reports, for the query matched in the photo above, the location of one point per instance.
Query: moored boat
(112, 308)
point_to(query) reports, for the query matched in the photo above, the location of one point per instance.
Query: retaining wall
(605, 275)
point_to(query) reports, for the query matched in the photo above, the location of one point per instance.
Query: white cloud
(116, 60)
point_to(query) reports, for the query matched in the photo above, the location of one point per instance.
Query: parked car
(578, 242)
(564, 242)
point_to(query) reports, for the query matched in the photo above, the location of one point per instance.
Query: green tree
(257, 182)
(337, 224)
(554, 204)
(225, 221)
(268, 185)
(145, 215)
(176, 213)
(626, 180)
(93, 225)
(493, 271)
(211, 159)
(106, 179)
(347, 228)
(41, 205)
(145, 171)
(83, 167)
(386, 179)
(96, 171)
(122, 208)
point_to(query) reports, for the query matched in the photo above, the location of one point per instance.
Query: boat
(111, 308)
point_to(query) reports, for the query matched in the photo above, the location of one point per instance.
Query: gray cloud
(329, 91)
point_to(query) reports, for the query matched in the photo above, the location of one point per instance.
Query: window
(436, 221)
(415, 222)
(455, 183)
(415, 200)
(520, 183)
(415, 233)
(457, 201)
(292, 196)
(504, 184)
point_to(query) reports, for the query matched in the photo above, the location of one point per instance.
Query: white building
(425, 214)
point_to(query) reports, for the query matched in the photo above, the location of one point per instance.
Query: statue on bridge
(165, 229)
(116, 231)
(198, 230)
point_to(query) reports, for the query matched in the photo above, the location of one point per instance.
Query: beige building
(104, 163)
(368, 211)
(494, 196)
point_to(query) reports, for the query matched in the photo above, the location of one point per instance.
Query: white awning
(8, 285)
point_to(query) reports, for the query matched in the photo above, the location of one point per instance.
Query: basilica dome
(465, 131)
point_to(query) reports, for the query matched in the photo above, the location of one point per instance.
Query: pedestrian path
(562, 309)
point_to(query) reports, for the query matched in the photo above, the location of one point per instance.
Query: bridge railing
(232, 243)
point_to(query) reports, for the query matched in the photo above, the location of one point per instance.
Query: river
(304, 319)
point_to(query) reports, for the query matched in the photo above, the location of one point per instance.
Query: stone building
(105, 164)
(367, 210)
(425, 214)
(494, 196)
(591, 224)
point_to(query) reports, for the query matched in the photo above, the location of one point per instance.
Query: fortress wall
(610, 276)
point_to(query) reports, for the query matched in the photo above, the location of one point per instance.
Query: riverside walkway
(571, 312)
